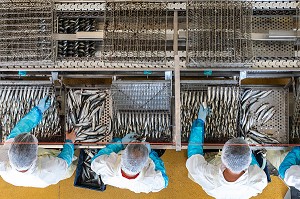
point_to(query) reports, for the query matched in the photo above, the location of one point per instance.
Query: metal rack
(18, 98)
(26, 32)
(144, 108)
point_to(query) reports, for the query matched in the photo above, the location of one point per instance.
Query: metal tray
(105, 119)
(278, 126)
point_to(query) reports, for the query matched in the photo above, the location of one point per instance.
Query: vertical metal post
(177, 124)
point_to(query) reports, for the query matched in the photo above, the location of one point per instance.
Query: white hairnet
(236, 155)
(134, 158)
(23, 151)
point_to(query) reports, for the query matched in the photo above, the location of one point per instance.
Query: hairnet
(23, 151)
(134, 158)
(236, 155)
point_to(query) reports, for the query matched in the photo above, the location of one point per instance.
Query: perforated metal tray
(278, 126)
(107, 113)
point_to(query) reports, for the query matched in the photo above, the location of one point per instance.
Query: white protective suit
(109, 167)
(211, 179)
(47, 171)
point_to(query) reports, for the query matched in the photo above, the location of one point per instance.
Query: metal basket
(17, 99)
(218, 33)
(277, 126)
(104, 118)
(221, 123)
(142, 107)
(135, 32)
(26, 32)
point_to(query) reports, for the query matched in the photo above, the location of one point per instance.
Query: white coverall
(109, 167)
(48, 169)
(211, 179)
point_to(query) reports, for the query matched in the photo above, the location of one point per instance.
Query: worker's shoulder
(51, 162)
(255, 173)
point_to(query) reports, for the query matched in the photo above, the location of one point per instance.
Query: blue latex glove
(195, 145)
(254, 161)
(159, 166)
(203, 112)
(148, 147)
(115, 147)
(44, 104)
(292, 158)
(27, 123)
(67, 152)
(128, 138)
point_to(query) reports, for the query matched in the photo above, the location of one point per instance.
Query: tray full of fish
(85, 176)
(221, 98)
(295, 127)
(144, 108)
(264, 115)
(88, 112)
(18, 98)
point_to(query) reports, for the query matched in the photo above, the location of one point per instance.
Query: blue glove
(159, 166)
(44, 104)
(292, 158)
(195, 145)
(128, 138)
(116, 147)
(148, 147)
(203, 111)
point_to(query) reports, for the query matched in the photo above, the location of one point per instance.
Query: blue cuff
(195, 145)
(159, 166)
(254, 161)
(67, 152)
(116, 147)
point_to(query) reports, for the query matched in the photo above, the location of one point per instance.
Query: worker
(289, 169)
(20, 164)
(137, 168)
(238, 176)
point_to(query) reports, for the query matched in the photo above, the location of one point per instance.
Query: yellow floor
(179, 187)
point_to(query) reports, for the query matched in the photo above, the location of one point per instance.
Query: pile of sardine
(88, 176)
(152, 125)
(221, 122)
(17, 101)
(86, 109)
(295, 131)
(252, 117)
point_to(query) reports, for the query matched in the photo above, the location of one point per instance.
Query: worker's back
(211, 179)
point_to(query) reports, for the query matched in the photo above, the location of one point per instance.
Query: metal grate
(295, 131)
(218, 32)
(143, 108)
(222, 100)
(277, 126)
(135, 32)
(274, 50)
(26, 32)
(79, 100)
(16, 101)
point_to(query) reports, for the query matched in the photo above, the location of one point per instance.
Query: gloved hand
(44, 104)
(148, 146)
(128, 138)
(203, 111)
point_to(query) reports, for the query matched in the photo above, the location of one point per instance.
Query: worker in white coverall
(289, 169)
(137, 167)
(238, 176)
(20, 164)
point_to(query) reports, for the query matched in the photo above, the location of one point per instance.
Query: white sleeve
(53, 169)
(257, 179)
(202, 172)
(154, 178)
(4, 154)
(292, 176)
(104, 165)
